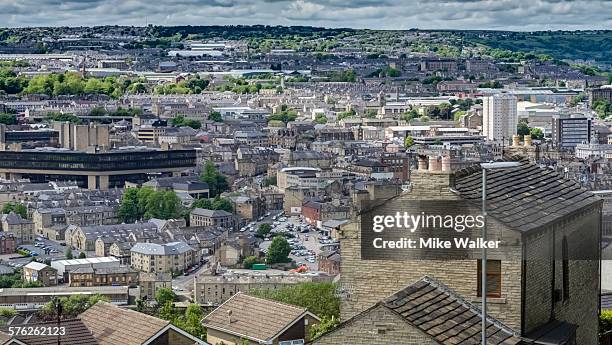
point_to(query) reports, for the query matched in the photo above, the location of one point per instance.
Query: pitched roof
(446, 317)
(252, 317)
(210, 213)
(112, 325)
(76, 333)
(161, 249)
(552, 333)
(36, 266)
(527, 196)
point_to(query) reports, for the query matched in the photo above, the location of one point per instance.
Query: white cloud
(375, 14)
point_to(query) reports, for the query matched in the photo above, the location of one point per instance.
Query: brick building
(7, 242)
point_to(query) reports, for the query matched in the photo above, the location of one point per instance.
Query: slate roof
(36, 266)
(112, 325)
(446, 317)
(252, 317)
(210, 213)
(525, 197)
(161, 249)
(76, 334)
(552, 333)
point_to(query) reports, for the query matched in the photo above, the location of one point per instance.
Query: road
(183, 284)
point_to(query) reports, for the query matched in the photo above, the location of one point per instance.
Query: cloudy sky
(375, 14)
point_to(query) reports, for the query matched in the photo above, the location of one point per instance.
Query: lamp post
(483, 265)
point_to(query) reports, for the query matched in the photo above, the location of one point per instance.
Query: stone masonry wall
(378, 326)
(366, 282)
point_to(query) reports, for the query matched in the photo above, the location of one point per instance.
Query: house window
(292, 342)
(565, 268)
(493, 278)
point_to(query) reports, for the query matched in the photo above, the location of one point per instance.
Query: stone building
(150, 283)
(212, 218)
(84, 237)
(246, 319)
(36, 271)
(402, 319)
(168, 257)
(214, 290)
(89, 276)
(23, 229)
(546, 274)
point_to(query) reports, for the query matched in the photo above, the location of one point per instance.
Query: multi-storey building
(499, 117)
(567, 132)
(214, 290)
(94, 170)
(104, 276)
(168, 257)
(212, 218)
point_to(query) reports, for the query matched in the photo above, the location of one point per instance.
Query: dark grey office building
(569, 131)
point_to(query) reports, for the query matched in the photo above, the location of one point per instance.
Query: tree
(202, 203)
(55, 116)
(345, 114)
(279, 250)
(180, 121)
(167, 311)
(71, 306)
(522, 128)
(146, 203)
(319, 298)
(249, 261)
(320, 119)
(217, 183)
(215, 116)
(82, 255)
(98, 111)
(410, 115)
(69, 253)
(163, 205)
(165, 295)
(263, 230)
(270, 181)
(408, 141)
(128, 209)
(19, 209)
(326, 324)
(8, 119)
(536, 133)
(192, 321)
(7, 312)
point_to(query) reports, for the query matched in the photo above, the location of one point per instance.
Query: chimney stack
(422, 163)
(516, 140)
(446, 163)
(434, 164)
(527, 139)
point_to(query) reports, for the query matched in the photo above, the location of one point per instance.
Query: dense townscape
(207, 184)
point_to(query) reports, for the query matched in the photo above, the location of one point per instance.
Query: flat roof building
(94, 170)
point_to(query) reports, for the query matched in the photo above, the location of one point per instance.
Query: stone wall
(379, 326)
(545, 298)
(365, 282)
